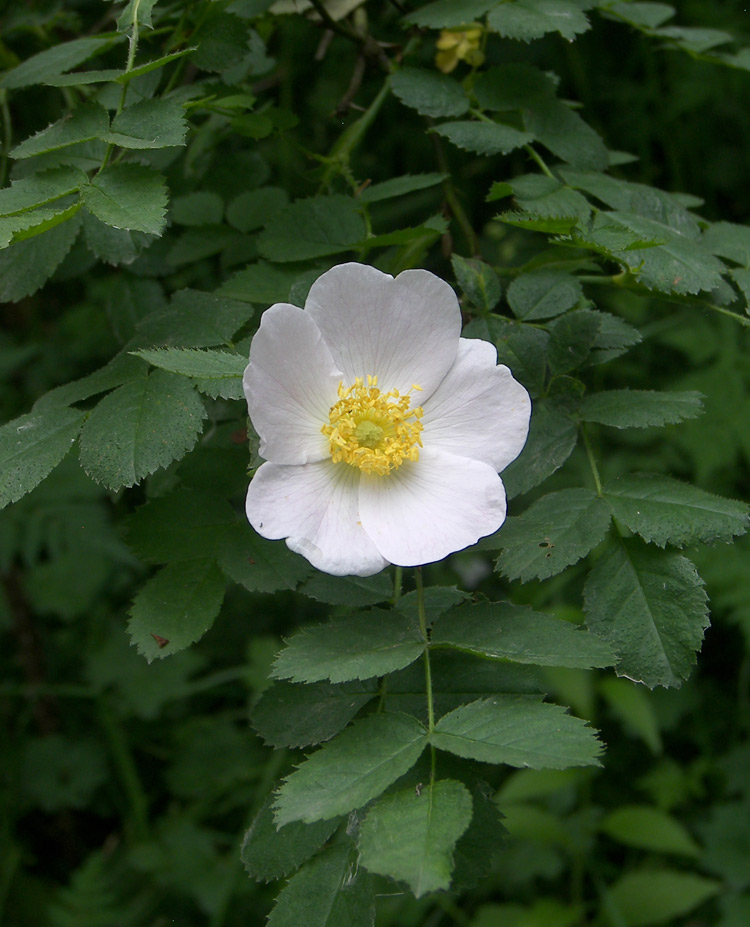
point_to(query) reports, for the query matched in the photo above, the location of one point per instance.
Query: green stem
(451, 197)
(127, 770)
(535, 156)
(427, 668)
(592, 460)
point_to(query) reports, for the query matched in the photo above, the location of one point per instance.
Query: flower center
(372, 430)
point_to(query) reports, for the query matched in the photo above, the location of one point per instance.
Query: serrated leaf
(484, 138)
(555, 532)
(614, 338)
(640, 408)
(522, 347)
(257, 564)
(311, 228)
(149, 124)
(128, 196)
(292, 715)
(478, 281)
(666, 511)
(119, 370)
(202, 365)
(565, 133)
(271, 853)
(136, 13)
(552, 225)
(193, 319)
(531, 19)
(501, 631)
(411, 836)
(543, 294)
(39, 190)
(177, 606)
(115, 246)
(659, 896)
(429, 92)
(86, 122)
(348, 590)
(552, 437)
(351, 770)
(649, 828)
(34, 222)
(728, 240)
(446, 13)
(480, 845)
(27, 265)
(639, 13)
(143, 425)
(260, 283)
(54, 61)
(650, 607)
(571, 339)
(400, 186)
(518, 731)
(513, 86)
(543, 197)
(32, 446)
(356, 647)
(326, 892)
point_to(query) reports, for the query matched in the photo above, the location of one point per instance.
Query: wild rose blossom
(382, 429)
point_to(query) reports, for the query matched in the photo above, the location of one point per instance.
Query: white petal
(290, 385)
(478, 410)
(315, 507)
(403, 330)
(426, 510)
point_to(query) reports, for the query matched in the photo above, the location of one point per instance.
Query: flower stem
(427, 667)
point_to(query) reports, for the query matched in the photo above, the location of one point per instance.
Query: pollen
(373, 430)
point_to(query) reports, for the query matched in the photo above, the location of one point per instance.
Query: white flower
(383, 429)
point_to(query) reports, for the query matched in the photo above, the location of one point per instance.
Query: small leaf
(311, 228)
(202, 365)
(640, 408)
(543, 294)
(526, 20)
(86, 122)
(32, 446)
(136, 13)
(351, 770)
(326, 892)
(649, 828)
(478, 281)
(128, 196)
(446, 13)
(271, 853)
(484, 138)
(54, 61)
(176, 607)
(261, 283)
(400, 186)
(565, 133)
(411, 836)
(195, 209)
(659, 896)
(292, 715)
(650, 607)
(149, 124)
(371, 644)
(429, 92)
(501, 631)
(143, 425)
(665, 511)
(519, 731)
(553, 533)
(571, 339)
(27, 265)
(39, 190)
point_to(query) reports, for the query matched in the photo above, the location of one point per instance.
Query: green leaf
(552, 437)
(115, 246)
(149, 124)
(543, 294)
(35, 222)
(446, 13)
(136, 13)
(27, 265)
(665, 511)
(128, 196)
(429, 92)
(562, 130)
(325, 893)
(119, 370)
(194, 319)
(176, 607)
(571, 339)
(292, 715)
(640, 408)
(478, 281)
(195, 209)
(630, 704)
(543, 196)
(614, 338)
(649, 15)
(659, 896)
(348, 590)
(351, 770)
(86, 122)
(531, 19)
(693, 39)
(501, 631)
(518, 731)
(269, 853)
(371, 644)
(728, 240)
(222, 369)
(522, 347)
(513, 86)
(650, 607)
(54, 61)
(250, 210)
(553, 533)
(477, 850)
(257, 564)
(32, 446)
(400, 186)
(261, 283)
(39, 190)
(312, 228)
(143, 425)
(552, 225)
(411, 836)
(649, 828)
(484, 138)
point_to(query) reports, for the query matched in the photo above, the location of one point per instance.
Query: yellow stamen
(372, 430)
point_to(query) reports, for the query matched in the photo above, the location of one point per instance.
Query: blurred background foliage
(127, 786)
